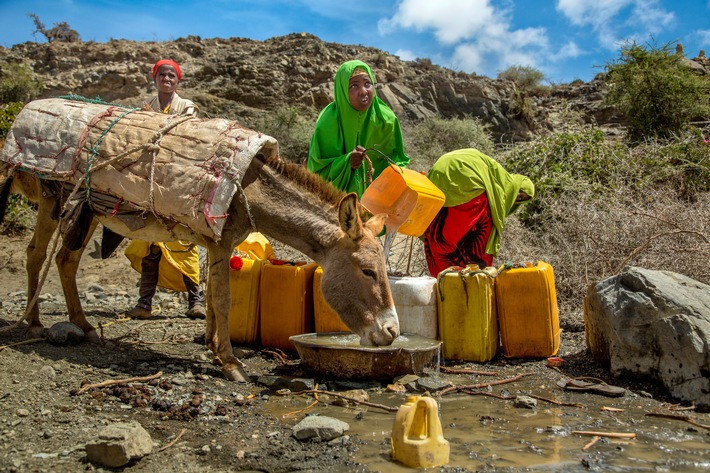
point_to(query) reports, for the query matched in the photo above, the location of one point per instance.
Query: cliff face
(237, 78)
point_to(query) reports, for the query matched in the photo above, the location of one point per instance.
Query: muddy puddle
(488, 433)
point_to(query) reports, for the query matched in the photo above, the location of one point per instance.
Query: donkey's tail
(4, 195)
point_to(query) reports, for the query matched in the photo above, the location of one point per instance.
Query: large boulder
(656, 324)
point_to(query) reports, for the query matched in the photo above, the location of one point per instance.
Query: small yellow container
(468, 327)
(244, 289)
(244, 311)
(286, 303)
(256, 246)
(325, 318)
(409, 198)
(417, 438)
(527, 311)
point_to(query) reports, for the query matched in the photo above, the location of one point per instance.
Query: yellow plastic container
(256, 246)
(417, 438)
(244, 311)
(244, 289)
(286, 303)
(468, 327)
(527, 311)
(409, 198)
(325, 318)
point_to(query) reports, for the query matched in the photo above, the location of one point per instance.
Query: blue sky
(565, 39)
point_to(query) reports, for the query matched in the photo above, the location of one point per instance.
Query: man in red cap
(167, 75)
(172, 265)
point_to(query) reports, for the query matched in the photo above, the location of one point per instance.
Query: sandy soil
(44, 425)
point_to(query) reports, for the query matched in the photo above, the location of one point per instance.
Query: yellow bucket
(409, 198)
(417, 437)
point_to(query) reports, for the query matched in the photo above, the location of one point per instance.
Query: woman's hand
(356, 157)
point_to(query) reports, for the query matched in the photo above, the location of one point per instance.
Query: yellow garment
(178, 106)
(177, 259)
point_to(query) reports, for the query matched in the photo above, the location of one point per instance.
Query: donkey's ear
(349, 216)
(376, 223)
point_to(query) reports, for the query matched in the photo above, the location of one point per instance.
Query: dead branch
(23, 342)
(173, 441)
(348, 398)
(649, 240)
(557, 403)
(593, 441)
(467, 371)
(111, 382)
(612, 435)
(687, 419)
(481, 385)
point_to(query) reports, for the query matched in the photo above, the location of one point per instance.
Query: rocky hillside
(239, 78)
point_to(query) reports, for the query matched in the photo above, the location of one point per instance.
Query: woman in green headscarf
(480, 194)
(357, 123)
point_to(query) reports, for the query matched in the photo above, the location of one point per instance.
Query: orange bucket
(409, 198)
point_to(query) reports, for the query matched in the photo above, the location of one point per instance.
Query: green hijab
(464, 174)
(340, 128)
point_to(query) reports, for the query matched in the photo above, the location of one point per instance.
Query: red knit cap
(167, 62)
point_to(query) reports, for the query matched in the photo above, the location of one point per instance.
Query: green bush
(427, 140)
(291, 130)
(19, 215)
(18, 83)
(657, 93)
(8, 112)
(525, 77)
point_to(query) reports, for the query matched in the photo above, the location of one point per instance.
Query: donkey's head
(354, 281)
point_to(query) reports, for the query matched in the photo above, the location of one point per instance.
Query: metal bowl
(339, 355)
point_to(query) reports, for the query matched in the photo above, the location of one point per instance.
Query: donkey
(282, 200)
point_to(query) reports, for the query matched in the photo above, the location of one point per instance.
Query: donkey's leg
(36, 256)
(68, 264)
(218, 303)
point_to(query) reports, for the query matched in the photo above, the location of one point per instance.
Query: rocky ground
(197, 420)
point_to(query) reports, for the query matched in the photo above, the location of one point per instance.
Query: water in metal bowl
(339, 355)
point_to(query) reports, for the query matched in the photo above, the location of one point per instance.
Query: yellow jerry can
(417, 437)
(527, 310)
(286, 294)
(244, 310)
(468, 327)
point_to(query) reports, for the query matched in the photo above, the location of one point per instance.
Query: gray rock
(525, 402)
(431, 385)
(276, 383)
(654, 324)
(65, 333)
(320, 428)
(118, 444)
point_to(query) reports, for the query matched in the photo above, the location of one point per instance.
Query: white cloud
(481, 34)
(703, 37)
(405, 55)
(610, 21)
(449, 20)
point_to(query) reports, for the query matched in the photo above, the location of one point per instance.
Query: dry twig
(687, 419)
(111, 382)
(593, 441)
(481, 385)
(348, 398)
(612, 435)
(23, 342)
(467, 371)
(173, 441)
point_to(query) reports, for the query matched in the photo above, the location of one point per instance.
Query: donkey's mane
(309, 181)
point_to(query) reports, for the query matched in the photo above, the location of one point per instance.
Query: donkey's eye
(369, 273)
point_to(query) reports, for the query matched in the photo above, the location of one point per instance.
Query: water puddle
(488, 433)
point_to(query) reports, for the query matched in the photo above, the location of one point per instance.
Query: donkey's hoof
(93, 337)
(36, 332)
(235, 372)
